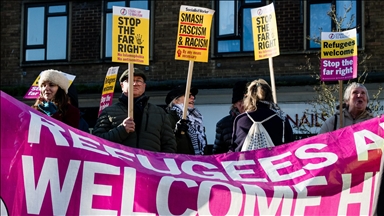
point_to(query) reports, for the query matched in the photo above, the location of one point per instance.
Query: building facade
(75, 37)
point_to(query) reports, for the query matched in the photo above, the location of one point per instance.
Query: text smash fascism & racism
(229, 174)
(191, 26)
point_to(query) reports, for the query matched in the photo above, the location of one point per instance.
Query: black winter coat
(153, 131)
(224, 129)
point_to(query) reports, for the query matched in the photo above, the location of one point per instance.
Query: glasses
(137, 82)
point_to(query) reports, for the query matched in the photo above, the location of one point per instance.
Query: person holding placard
(53, 99)
(149, 128)
(190, 132)
(355, 108)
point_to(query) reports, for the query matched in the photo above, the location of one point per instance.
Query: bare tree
(326, 100)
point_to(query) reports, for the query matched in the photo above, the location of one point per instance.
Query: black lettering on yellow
(192, 18)
(193, 30)
(196, 42)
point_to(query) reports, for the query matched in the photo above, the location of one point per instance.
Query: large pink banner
(49, 168)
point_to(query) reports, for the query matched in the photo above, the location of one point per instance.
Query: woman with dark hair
(53, 99)
(259, 105)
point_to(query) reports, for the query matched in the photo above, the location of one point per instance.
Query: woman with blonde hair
(53, 99)
(259, 105)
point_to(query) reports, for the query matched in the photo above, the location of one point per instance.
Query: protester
(258, 102)
(74, 100)
(224, 127)
(149, 128)
(189, 132)
(53, 99)
(355, 108)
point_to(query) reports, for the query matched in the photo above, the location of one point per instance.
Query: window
(233, 25)
(45, 32)
(318, 20)
(143, 4)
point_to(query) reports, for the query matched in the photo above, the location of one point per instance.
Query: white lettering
(162, 195)
(277, 199)
(302, 193)
(362, 147)
(271, 168)
(86, 143)
(204, 197)
(89, 188)
(235, 174)
(170, 162)
(347, 197)
(330, 157)
(119, 153)
(128, 198)
(187, 167)
(37, 123)
(49, 174)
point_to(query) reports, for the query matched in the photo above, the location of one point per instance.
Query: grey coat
(329, 124)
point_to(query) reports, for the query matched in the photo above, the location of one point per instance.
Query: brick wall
(89, 68)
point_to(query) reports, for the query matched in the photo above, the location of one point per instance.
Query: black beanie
(238, 91)
(179, 91)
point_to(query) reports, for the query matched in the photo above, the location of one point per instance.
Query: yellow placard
(193, 33)
(338, 48)
(130, 35)
(265, 37)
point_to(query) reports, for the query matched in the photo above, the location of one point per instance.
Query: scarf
(196, 130)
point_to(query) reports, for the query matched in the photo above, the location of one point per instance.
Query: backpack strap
(261, 121)
(335, 123)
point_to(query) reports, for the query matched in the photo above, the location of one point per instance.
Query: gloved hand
(181, 126)
(48, 108)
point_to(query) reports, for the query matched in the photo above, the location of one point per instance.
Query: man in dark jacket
(224, 127)
(149, 129)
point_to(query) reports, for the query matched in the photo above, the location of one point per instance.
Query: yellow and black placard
(264, 28)
(193, 34)
(130, 35)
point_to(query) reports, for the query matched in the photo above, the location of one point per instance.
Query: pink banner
(48, 168)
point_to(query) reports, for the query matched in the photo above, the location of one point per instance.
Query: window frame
(105, 10)
(359, 18)
(239, 7)
(44, 46)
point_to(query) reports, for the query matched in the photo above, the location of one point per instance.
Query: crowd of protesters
(168, 130)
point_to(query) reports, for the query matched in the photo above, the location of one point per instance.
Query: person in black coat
(74, 100)
(258, 102)
(224, 127)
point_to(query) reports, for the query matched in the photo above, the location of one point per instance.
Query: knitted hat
(238, 91)
(56, 77)
(178, 92)
(136, 72)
